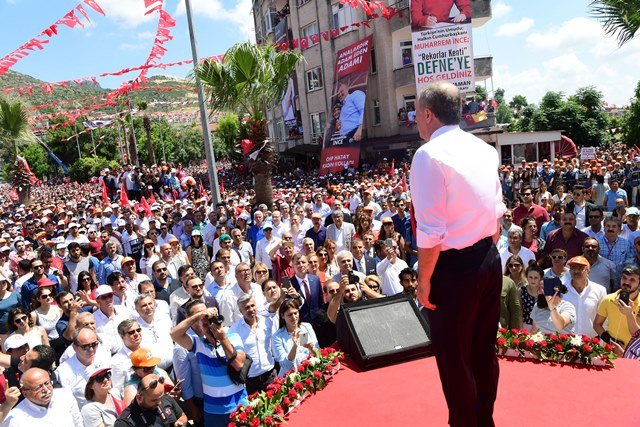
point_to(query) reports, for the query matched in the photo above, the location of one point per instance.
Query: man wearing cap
(630, 229)
(584, 295)
(19, 254)
(131, 276)
(459, 265)
(74, 235)
(340, 232)
(43, 405)
(109, 315)
(74, 372)
(264, 245)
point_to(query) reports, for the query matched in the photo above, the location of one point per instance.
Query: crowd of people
(148, 312)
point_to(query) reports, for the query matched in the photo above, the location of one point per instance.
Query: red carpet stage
(530, 394)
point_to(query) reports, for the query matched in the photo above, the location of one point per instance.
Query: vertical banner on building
(281, 34)
(343, 131)
(442, 44)
(289, 106)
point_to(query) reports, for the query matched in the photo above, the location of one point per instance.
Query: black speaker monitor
(382, 331)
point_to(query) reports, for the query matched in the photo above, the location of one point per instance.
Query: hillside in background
(181, 92)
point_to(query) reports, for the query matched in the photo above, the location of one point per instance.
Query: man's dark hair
(46, 357)
(410, 271)
(73, 245)
(188, 307)
(597, 209)
(114, 277)
(61, 295)
(443, 102)
(183, 268)
(24, 264)
(578, 187)
(524, 188)
(44, 252)
(631, 270)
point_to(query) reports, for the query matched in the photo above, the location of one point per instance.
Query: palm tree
(14, 130)
(146, 123)
(621, 17)
(247, 81)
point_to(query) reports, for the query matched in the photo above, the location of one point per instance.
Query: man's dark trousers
(465, 288)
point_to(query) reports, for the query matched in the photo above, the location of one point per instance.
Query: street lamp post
(204, 116)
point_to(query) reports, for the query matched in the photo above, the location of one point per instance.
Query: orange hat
(143, 358)
(126, 260)
(579, 260)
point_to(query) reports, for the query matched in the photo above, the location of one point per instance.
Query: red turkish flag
(246, 146)
(325, 36)
(304, 43)
(145, 206)
(295, 43)
(105, 197)
(93, 4)
(124, 199)
(315, 38)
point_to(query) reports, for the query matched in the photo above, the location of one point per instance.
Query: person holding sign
(459, 267)
(427, 13)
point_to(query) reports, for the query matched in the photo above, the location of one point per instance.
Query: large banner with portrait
(343, 130)
(442, 43)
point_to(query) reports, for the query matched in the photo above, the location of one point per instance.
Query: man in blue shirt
(614, 193)
(214, 351)
(351, 114)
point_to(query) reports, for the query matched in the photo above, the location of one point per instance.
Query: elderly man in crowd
(584, 294)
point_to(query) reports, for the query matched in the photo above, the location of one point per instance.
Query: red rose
(268, 420)
(595, 340)
(231, 424)
(278, 409)
(269, 394)
(501, 341)
(564, 336)
(543, 343)
(502, 330)
(529, 343)
(516, 341)
(317, 374)
(608, 347)
(559, 347)
(286, 401)
(335, 361)
(301, 368)
(305, 363)
(298, 386)
(524, 331)
(514, 331)
(242, 417)
(324, 352)
(255, 422)
(553, 337)
(308, 382)
(293, 394)
(587, 348)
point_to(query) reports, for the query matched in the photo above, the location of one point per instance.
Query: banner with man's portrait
(343, 130)
(441, 34)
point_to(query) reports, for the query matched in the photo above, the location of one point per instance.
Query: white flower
(537, 337)
(254, 402)
(293, 376)
(313, 361)
(576, 340)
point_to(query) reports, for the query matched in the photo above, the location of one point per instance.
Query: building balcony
(404, 76)
(483, 67)
(481, 10)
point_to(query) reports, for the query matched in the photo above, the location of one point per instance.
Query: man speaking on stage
(457, 200)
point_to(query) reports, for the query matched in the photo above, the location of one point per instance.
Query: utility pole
(204, 116)
(133, 132)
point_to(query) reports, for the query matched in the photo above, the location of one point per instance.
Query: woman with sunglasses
(103, 402)
(46, 312)
(142, 364)
(260, 272)
(149, 256)
(330, 249)
(515, 270)
(8, 300)
(197, 254)
(19, 321)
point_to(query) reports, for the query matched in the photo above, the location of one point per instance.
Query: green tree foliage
(580, 116)
(503, 114)
(38, 160)
(225, 141)
(481, 93)
(518, 102)
(499, 95)
(631, 122)
(88, 167)
(621, 18)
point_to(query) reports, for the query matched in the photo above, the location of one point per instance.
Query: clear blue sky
(537, 46)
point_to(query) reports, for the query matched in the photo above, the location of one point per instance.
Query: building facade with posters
(391, 88)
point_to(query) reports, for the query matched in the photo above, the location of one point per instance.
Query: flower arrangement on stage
(558, 347)
(268, 408)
